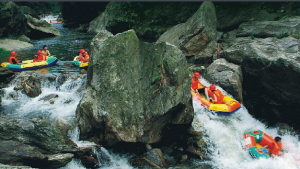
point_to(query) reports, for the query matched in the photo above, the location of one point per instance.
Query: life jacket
(83, 57)
(13, 60)
(195, 83)
(219, 95)
(275, 148)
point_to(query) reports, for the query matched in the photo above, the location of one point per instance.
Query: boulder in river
(98, 24)
(31, 86)
(227, 75)
(133, 90)
(153, 158)
(31, 142)
(40, 28)
(271, 76)
(24, 38)
(197, 37)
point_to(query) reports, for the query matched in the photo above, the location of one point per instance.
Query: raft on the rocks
(254, 142)
(30, 65)
(78, 63)
(228, 107)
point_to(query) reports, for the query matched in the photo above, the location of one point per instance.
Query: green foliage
(282, 35)
(252, 36)
(43, 7)
(4, 52)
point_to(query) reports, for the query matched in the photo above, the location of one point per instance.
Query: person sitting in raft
(78, 40)
(39, 57)
(45, 50)
(13, 58)
(216, 96)
(196, 85)
(84, 56)
(275, 148)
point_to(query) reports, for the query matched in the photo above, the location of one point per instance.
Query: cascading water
(224, 135)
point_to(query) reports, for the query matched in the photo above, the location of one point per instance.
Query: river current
(224, 135)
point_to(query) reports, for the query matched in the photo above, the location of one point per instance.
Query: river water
(224, 134)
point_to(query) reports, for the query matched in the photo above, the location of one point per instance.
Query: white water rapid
(224, 135)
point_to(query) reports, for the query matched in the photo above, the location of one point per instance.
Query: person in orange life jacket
(13, 58)
(196, 83)
(39, 57)
(84, 56)
(275, 148)
(45, 50)
(215, 94)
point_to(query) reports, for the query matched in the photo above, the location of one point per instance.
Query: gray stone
(43, 27)
(264, 29)
(227, 75)
(24, 38)
(21, 142)
(271, 74)
(197, 37)
(59, 160)
(153, 158)
(141, 87)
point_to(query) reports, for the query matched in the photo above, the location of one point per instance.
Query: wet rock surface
(21, 143)
(31, 86)
(40, 28)
(270, 75)
(227, 75)
(197, 37)
(288, 26)
(143, 103)
(153, 158)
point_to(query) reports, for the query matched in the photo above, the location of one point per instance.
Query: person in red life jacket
(39, 57)
(45, 50)
(196, 85)
(215, 94)
(84, 56)
(275, 148)
(13, 58)
(50, 21)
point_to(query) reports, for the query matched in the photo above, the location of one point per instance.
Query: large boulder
(31, 86)
(197, 37)
(290, 25)
(40, 28)
(271, 75)
(98, 24)
(33, 142)
(227, 75)
(133, 90)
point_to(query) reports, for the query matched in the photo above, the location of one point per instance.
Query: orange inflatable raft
(254, 142)
(228, 107)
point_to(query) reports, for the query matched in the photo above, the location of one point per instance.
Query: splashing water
(224, 135)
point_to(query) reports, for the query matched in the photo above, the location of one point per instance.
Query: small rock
(59, 160)
(49, 97)
(153, 158)
(24, 38)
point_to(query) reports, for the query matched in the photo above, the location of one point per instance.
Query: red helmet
(212, 87)
(82, 50)
(197, 74)
(13, 53)
(39, 52)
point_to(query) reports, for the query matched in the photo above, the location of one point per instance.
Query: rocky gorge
(137, 93)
